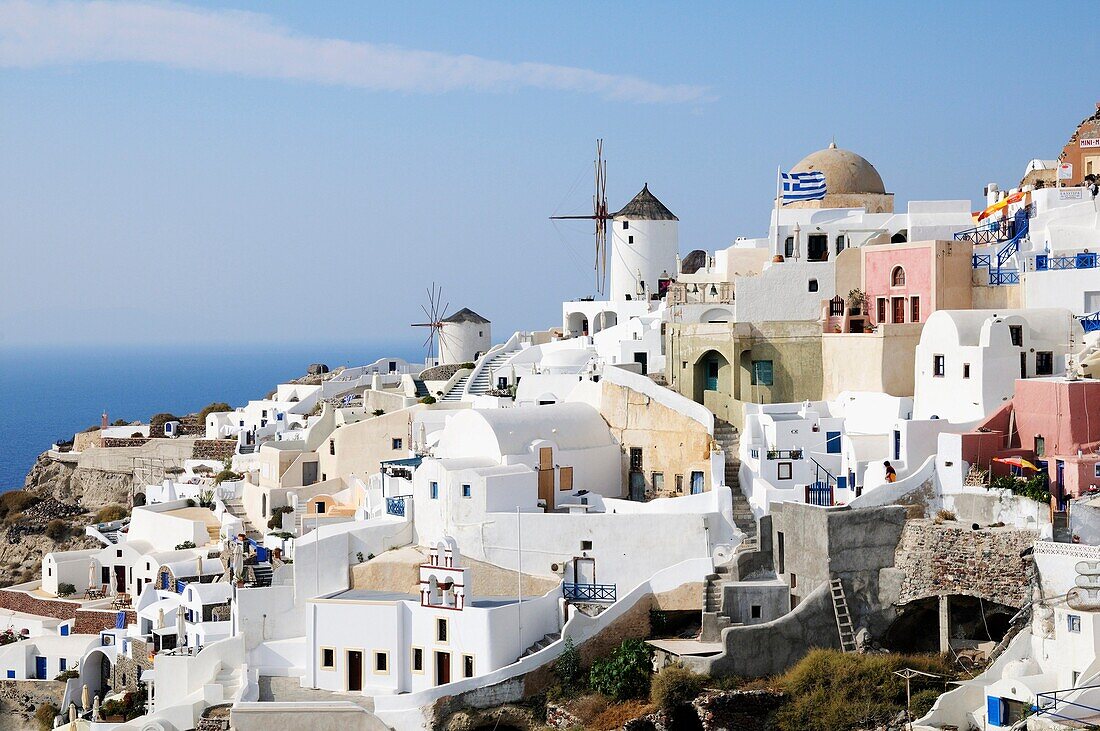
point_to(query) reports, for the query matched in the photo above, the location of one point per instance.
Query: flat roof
(371, 595)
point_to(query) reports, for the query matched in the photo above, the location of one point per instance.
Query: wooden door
(546, 458)
(546, 487)
(355, 670)
(899, 309)
(442, 668)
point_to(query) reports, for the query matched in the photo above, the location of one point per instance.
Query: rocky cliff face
(91, 488)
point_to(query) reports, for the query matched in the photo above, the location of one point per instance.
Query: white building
(464, 337)
(968, 361)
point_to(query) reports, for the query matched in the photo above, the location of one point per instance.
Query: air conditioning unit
(558, 568)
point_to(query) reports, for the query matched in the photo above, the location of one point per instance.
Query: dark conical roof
(645, 207)
(466, 315)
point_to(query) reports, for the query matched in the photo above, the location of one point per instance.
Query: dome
(1021, 668)
(845, 171)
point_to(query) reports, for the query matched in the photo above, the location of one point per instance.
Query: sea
(48, 393)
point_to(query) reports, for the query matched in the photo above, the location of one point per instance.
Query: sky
(283, 172)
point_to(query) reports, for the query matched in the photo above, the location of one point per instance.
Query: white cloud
(35, 34)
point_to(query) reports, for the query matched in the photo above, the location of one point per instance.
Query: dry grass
(618, 714)
(588, 707)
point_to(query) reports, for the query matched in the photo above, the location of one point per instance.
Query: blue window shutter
(11, 675)
(993, 710)
(64, 630)
(120, 620)
(832, 442)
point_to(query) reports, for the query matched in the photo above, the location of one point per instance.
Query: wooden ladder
(843, 618)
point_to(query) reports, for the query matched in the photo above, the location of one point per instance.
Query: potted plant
(855, 301)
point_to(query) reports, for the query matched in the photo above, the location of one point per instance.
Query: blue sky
(295, 172)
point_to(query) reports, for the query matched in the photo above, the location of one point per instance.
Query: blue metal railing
(1008, 276)
(1052, 703)
(1045, 262)
(1091, 323)
(980, 260)
(396, 505)
(588, 592)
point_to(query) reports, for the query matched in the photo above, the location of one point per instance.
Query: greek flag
(803, 186)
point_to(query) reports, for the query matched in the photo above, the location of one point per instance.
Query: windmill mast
(600, 216)
(435, 314)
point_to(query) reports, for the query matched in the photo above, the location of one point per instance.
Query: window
(626, 225)
(813, 285)
(630, 239)
(794, 581)
(332, 446)
(1016, 332)
(118, 553)
(396, 443)
(658, 479)
(433, 490)
(440, 630)
(754, 611)
(328, 658)
(938, 366)
(897, 277)
(1044, 363)
(840, 243)
(1073, 623)
(565, 478)
(783, 471)
(61, 663)
(679, 484)
(382, 663)
(467, 490)
(467, 666)
(880, 309)
(914, 309)
(635, 459)
(781, 553)
(1096, 470)
(11, 674)
(64, 630)
(966, 370)
(418, 660)
(1040, 446)
(761, 373)
(586, 545)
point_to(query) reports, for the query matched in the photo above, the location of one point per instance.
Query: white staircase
(482, 383)
(457, 390)
(229, 678)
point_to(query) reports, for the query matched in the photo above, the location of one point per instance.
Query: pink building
(905, 283)
(1051, 422)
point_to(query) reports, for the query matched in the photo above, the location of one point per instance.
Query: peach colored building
(1052, 422)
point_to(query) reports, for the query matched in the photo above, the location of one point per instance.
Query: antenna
(435, 314)
(599, 215)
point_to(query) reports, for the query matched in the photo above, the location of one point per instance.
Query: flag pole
(778, 194)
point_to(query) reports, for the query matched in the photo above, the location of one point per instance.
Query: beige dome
(845, 171)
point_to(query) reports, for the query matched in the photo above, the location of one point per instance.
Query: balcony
(396, 505)
(604, 593)
(784, 454)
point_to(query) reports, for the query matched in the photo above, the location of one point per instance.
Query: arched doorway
(577, 324)
(712, 373)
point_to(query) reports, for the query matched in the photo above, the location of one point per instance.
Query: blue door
(994, 710)
(832, 442)
(1060, 472)
(696, 483)
(40, 667)
(712, 375)
(897, 444)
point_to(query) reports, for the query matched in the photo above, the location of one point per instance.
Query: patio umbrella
(72, 714)
(85, 698)
(181, 632)
(95, 709)
(160, 618)
(1016, 462)
(91, 574)
(198, 568)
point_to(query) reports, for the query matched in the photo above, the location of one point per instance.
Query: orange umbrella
(1001, 205)
(1016, 462)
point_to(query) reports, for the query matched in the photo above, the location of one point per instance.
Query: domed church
(850, 181)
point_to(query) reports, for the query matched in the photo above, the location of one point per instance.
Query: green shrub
(276, 519)
(428, 400)
(65, 589)
(378, 412)
(119, 422)
(922, 701)
(567, 669)
(67, 675)
(226, 475)
(109, 513)
(57, 530)
(215, 408)
(625, 673)
(174, 470)
(14, 502)
(44, 714)
(185, 545)
(674, 686)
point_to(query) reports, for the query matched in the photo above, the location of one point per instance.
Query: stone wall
(952, 559)
(20, 698)
(86, 439)
(94, 621)
(19, 601)
(116, 442)
(215, 449)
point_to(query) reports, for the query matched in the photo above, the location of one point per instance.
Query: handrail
(588, 592)
(1052, 695)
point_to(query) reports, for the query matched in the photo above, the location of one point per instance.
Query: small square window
(812, 285)
(630, 239)
(467, 490)
(754, 611)
(794, 581)
(61, 663)
(1040, 446)
(440, 630)
(1073, 622)
(966, 370)
(658, 479)
(118, 553)
(467, 666)
(1096, 470)
(1044, 363)
(586, 545)
(328, 658)
(1016, 332)
(64, 630)
(11, 674)
(939, 366)
(433, 490)
(626, 225)
(761, 373)
(382, 663)
(783, 471)
(418, 660)
(332, 446)
(396, 443)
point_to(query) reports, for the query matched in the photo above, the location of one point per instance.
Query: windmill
(600, 215)
(435, 314)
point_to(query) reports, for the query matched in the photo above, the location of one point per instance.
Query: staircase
(229, 678)
(542, 644)
(421, 388)
(110, 535)
(236, 508)
(261, 574)
(482, 383)
(457, 390)
(843, 618)
(714, 621)
(727, 439)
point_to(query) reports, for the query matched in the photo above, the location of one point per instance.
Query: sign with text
(1065, 171)
(1071, 194)
(1090, 142)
